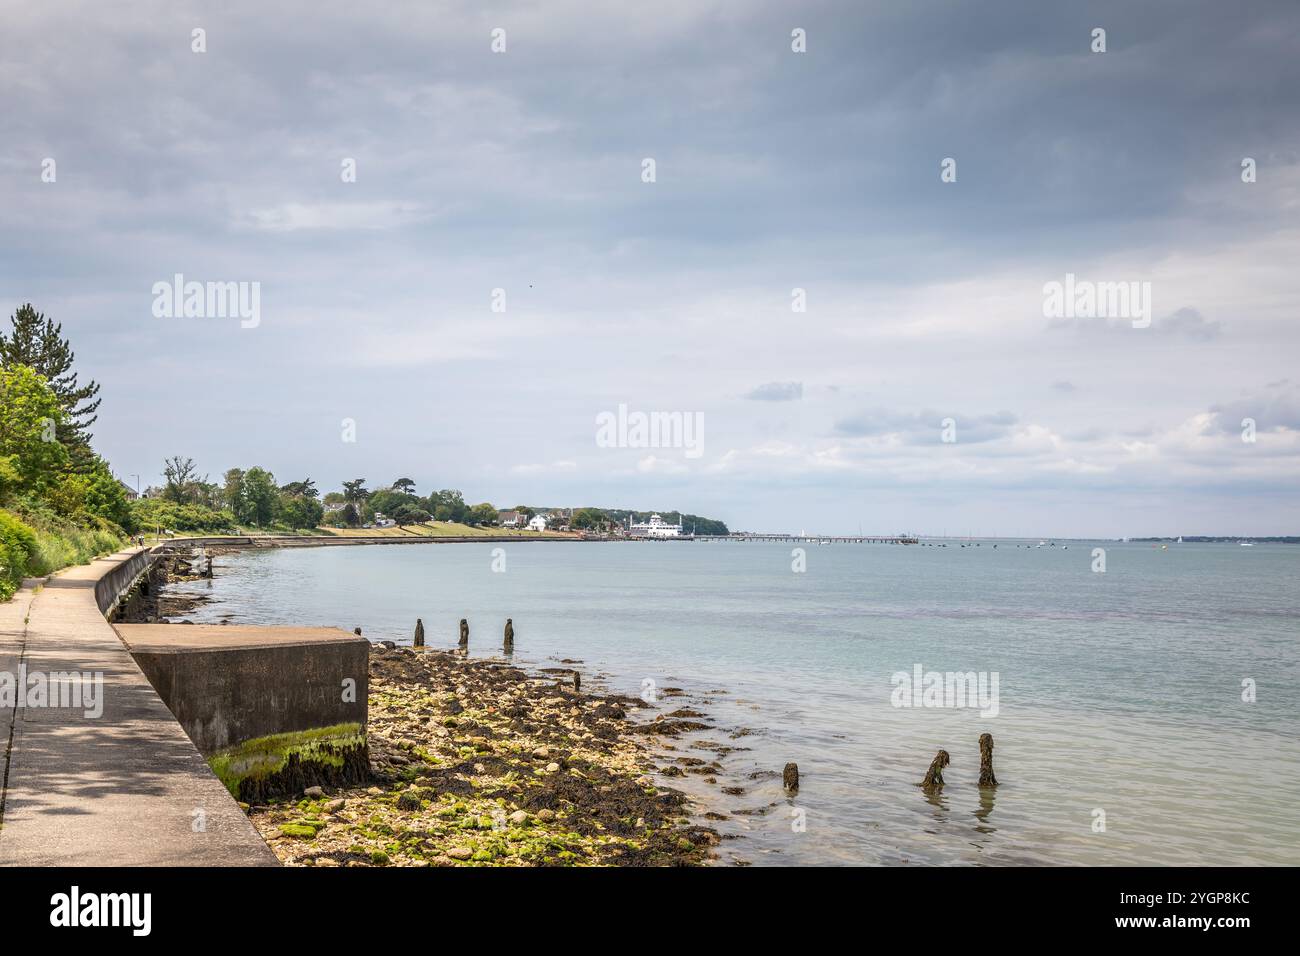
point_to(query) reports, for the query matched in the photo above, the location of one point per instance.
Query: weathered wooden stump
(509, 645)
(934, 776)
(577, 682)
(790, 778)
(419, 633)
(987, 779)
(464, 635)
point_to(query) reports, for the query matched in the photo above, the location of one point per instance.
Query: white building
(656, 527)
(538, 523)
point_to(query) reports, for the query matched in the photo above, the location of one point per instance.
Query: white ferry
(656, 527)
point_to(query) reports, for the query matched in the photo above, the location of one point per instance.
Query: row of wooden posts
(933, 777)
(508, 645)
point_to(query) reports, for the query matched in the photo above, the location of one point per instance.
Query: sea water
(1146, 714)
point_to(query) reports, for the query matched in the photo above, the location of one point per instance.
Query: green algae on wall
(287, 763)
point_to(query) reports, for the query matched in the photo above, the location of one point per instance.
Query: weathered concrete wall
(113, 585)
(227, 685)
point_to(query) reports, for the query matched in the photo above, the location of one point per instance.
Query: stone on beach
(790, 777)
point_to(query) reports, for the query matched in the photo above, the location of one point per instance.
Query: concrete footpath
(124, 788)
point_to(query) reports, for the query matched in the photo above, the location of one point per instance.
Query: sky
(859, 329)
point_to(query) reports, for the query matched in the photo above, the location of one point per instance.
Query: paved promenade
(126, 788)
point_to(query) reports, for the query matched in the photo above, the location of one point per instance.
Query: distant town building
(511, 519)
(538, 523)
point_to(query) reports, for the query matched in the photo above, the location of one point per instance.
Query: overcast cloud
(775, 171)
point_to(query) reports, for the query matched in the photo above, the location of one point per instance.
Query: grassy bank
(34, 545)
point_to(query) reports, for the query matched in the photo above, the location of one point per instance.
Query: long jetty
(809, 538)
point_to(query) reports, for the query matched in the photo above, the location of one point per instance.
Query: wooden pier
(805, 538)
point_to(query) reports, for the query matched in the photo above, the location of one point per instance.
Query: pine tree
(38, 343)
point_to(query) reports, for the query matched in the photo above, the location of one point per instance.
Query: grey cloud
(1185, 322)
(777, 392)
(1189, 323)
(1276, 408)
(926, 427)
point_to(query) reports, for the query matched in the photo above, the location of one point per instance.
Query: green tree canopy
(482, 514)
(261, 496)
(355, 491)
(38, 343)
(30, 414)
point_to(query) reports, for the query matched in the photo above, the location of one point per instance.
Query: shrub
(18, 551)
(150, 513)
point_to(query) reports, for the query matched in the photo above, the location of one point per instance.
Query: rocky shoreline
(148, 602)
(477, 763)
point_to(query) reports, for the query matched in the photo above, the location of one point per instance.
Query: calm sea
(1121, 732)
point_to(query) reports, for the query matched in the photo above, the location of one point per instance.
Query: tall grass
(39, 543)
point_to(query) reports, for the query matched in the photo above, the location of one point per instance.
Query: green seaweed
(264, 756)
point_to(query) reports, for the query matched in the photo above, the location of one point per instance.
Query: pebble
(552, 768)
(546, 816)
(542, 752)
(313, 793)
(519, 817)
(460, 853)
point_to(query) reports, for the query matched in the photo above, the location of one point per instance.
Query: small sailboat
(1247, 544)
(1180, 539)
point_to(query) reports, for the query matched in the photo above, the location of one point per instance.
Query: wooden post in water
(934, 776)
(464, 635)
(509, 646)
(419, 633)
(987, 779)
(790, 778)
(577, 682)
